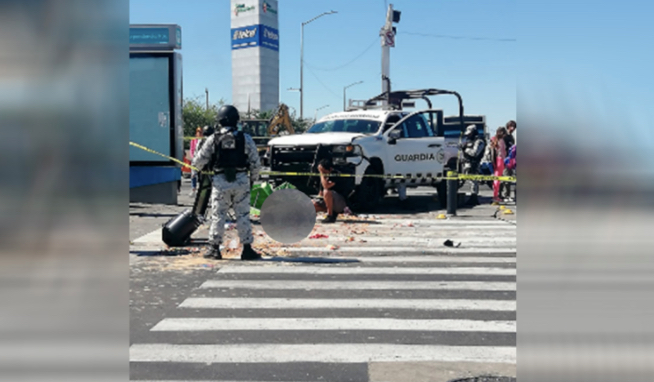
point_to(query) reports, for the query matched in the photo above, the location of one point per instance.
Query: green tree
(299, 125)
(195, 114)
(257, 114)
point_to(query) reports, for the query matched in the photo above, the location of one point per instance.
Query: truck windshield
(362, 126)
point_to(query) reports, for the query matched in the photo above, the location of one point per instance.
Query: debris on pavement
(332, 247)
(441, 216)
(450, 243)
(318, 236)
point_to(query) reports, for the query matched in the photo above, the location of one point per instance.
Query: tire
(369, 193)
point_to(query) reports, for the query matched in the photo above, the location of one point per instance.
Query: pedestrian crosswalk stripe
(367, 271)
(430, 259)
(504, 228)
(434, 259)
(325, 353)
(340, 303)
(395, 249)
(222, 324)
(434, 222)
(360, 285)
(477, 241)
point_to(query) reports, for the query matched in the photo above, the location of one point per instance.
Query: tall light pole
(387, 34)
(302, 60)
(315, 117)
(207, 93)
(295, 90)
(356, 83)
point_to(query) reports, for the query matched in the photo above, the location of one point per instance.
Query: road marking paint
(347, 303)
(366, 271)
(152, 237)
(324, 353)
(360, 285)
(313, 324)
(428, 242)
(391, 249)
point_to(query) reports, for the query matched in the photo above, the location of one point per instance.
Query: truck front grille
(285, 155)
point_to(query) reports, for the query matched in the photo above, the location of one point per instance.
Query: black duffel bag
(178, 230)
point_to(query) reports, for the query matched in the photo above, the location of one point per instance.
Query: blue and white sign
(270, 38)
(155, 37)
(255, 35)
(245, 37)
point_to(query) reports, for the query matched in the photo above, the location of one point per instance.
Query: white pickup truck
(420, 146)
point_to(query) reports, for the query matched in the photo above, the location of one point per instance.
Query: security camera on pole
(387, 35)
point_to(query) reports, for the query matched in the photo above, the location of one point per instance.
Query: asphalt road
(408, 309)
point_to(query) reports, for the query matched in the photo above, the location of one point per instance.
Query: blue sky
(483, 71)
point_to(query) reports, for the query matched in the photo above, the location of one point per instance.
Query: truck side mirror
(393, 136)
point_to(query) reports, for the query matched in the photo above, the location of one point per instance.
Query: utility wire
(458, 37)
(347, 63)
(325, 86)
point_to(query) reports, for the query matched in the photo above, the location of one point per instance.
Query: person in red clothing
(499, 152)
(510, 165)
(509, 141)
(194, 149)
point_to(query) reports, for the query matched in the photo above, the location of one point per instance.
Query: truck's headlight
(347, 154)
(347, 150)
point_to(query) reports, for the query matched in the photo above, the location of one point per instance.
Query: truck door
(413, 149)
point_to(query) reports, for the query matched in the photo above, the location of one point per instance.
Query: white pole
(386, 50)
(302, 73)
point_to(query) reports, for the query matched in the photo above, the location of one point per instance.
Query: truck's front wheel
(369, 193)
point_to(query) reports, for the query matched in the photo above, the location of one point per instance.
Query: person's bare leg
(329, 201)
(319, 207)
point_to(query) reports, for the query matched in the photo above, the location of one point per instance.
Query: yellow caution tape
(284, 173)
(253, 137)
(450, 175)
(162, 155)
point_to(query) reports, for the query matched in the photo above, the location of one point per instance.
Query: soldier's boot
(473, 201)
(213, 252)
(249, 253)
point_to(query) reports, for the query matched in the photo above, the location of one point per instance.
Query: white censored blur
(586, 272)
(63, 190)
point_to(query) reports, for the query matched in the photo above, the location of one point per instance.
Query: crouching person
(332, 192)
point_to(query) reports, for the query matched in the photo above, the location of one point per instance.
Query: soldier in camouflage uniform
(231, 154)
(473, 150)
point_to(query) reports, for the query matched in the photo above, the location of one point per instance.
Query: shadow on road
(160, 253)
(152, 215)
